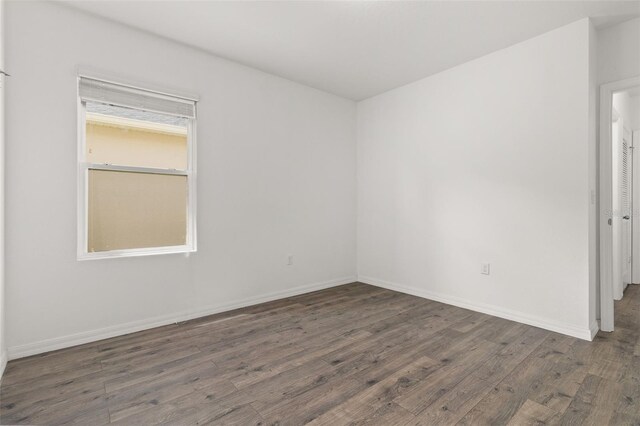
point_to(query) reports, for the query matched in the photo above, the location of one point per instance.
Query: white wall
(485, 162)
(629, 108)
(634, 115)
(619, 51)
(276, 176)
(634, 125)
(3, 344)
(594, 203)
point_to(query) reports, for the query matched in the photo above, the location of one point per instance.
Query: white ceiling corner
(355, 49)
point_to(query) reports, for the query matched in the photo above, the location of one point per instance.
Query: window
(136, 171)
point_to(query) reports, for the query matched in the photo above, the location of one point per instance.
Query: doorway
(622, 184)
(619, 187)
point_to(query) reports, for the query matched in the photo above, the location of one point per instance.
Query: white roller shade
(115, 94)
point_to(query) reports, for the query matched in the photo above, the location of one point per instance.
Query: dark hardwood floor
(348, 355)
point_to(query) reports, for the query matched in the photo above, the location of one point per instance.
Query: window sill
(112, 254)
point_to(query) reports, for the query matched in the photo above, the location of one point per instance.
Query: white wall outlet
(289, 259)
(485, 269)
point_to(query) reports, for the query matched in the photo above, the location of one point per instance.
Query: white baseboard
(3, 363)
(585, 334)
(47, 345)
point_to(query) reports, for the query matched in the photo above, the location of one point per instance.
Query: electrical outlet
(485, 269)
(289, 259)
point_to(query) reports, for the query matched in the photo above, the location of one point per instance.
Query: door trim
(606, 202)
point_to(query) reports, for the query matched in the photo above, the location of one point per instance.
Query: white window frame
(83, 187)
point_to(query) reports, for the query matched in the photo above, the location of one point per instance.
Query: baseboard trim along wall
(585, 334)
(43, 346)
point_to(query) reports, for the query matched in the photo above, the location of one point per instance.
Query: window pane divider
(135, 169)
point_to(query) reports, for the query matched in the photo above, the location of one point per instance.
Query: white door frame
(606, 201)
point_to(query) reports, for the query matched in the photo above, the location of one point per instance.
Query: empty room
(319, 212)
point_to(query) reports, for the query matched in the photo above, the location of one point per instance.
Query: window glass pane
(130, 137)
(135, 210)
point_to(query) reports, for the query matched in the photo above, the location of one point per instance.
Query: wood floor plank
(353, 354)
(506, 398)
(380, 394)
(532, 413)
(69, 409)
(454, 367)
(264, 371)
(200, 407)
(462, 397)
(389, 414)
(143, 396)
